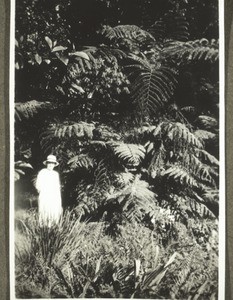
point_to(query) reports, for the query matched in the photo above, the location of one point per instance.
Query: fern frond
(28, 109)
(181, 175)
(81, 161)
(101, 177)
(205, 205)
(188, 109)
(158, 161)
(124, 178)
(152, 280)
(141, 63)
(207, 156)
(111, 53)
(211, 194)
(80, 130)
(132, 32)
(184, 270)
(207, 122)
(177, 27)
(131, 154)
(136, 199)
(199, 170)
(106, 133)
(193, 50)
(180, 133)
(171, 27)
(205, 135)
(153, 88)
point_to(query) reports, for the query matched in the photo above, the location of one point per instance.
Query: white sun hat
(51, 159)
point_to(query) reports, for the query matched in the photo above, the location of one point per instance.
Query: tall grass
(78, 259)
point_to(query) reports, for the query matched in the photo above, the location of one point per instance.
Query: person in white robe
(48, 187)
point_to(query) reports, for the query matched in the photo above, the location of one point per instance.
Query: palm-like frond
(172, 26)
(198, 169)
(124, 178)
(158, 160)
(101, 177)
(205, 135)
(207, 156)
(131, 154)
(179, 174)
(29, 109)
(110, 53)
(79, 130)
(153, 88)
(81, 161)
(206, 204)
(136, 199)
(193, 50)
(106, 133)
(207, 122)
(178, 133)
(132, 32)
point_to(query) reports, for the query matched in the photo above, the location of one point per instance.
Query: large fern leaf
(28, 109)
(193, 50)
(80, 130)
(126, 31)
(207, 122)
(207, 156)
(177, 133)
(136, 199)
(81, 161)
(205, 135)
(153, 88)
(124, 178)
(198, 169)
(131, 154)
(101, 177)
(180, 175)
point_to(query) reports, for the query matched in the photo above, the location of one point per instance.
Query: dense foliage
(125, 94)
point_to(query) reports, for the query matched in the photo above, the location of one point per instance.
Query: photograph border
(5, 146)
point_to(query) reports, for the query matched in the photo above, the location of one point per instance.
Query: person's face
(50, 165)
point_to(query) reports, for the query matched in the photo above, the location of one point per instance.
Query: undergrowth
(77, 259)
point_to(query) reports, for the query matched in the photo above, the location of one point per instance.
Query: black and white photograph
(117, 149)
